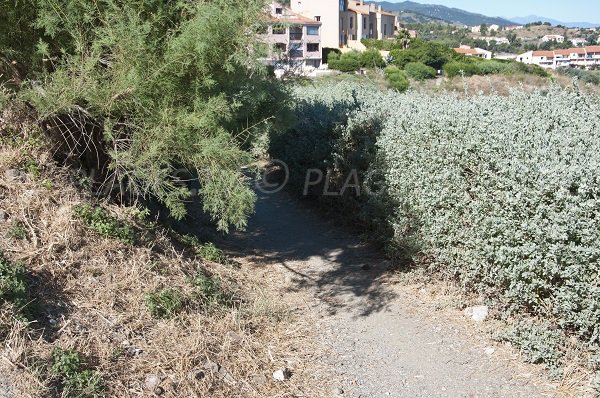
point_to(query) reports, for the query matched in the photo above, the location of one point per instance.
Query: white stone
(489, 350)
(281, 375)
(478, 313)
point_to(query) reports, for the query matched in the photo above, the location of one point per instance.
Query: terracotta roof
(548, 54)
(293, 18)
(570, 51)
(358, 11)
(468, 51)
(592, 49)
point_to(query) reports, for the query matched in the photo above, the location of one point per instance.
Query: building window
(312, 47)
(318, 18)
(342, 5)
(364, 22)
(279, 11)
(385, 30)
(281, 47)
(351, 22)
(312, 30)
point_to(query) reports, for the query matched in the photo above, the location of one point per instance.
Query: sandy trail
(374, 336)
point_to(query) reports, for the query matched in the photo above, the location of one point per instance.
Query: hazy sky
(562, 10)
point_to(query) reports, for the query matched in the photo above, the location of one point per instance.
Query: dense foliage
(396, 78)
(474, 189)
(354, 60)
(139, 91)
(420, 71)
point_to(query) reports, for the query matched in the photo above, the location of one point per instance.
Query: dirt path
(380, 340)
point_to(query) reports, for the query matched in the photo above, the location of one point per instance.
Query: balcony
(296, 36)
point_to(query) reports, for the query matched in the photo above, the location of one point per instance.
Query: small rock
(366, 267)
(478, 313)
(258, 380)
(338, 391)
(211, 366)
(281, 375)
(489, 350)
(152, 382)
(159, 391)
(3, 216)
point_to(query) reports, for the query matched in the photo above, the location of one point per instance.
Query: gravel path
(377, 340)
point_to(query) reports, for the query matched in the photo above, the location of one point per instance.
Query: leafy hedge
(354, 60)
(477, 190)
(475, 66)
(420, 71)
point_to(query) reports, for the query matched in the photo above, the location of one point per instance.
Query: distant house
(516, 27)
(545, 59)
(556, 38)
(577, 57)
(498, 40)
(476, 29)
(494, 27)
(579, 41)
(473, 52)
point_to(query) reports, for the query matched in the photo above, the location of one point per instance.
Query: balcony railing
(295, 35)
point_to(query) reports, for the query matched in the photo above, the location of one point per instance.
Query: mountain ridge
(536, 18)
(449, 14)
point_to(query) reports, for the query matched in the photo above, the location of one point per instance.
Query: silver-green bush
(501, 194)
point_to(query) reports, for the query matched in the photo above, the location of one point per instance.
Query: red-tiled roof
(592, 49)
(467, 51)
(548, 54)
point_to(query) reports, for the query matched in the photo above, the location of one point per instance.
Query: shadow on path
(345, 273)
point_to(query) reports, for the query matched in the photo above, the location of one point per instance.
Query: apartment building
(345, 22)
(295, 40)
(577, 57)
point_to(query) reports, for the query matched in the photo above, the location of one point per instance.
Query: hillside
(537, 18)
(453, 15)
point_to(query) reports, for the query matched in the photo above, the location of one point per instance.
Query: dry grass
(90, 292)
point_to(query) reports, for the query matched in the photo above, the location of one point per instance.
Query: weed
(97, 219)
(48, 184)
(17, 230)
(207, 251)
(13, 287)
(165, 303)
(32, 167)
(69, 368)
(210, 292)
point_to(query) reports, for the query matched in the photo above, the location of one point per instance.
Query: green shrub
(77, 382)
(396, 78)
(585, 76)
(458, 68)
(13, 285)
(99, 221)
(165, 303)
(538, 344)
(347, 62)
(150, 89)
(17, 230)
(371, 59)
(420, 71)
(207, 251)
(210, 292)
